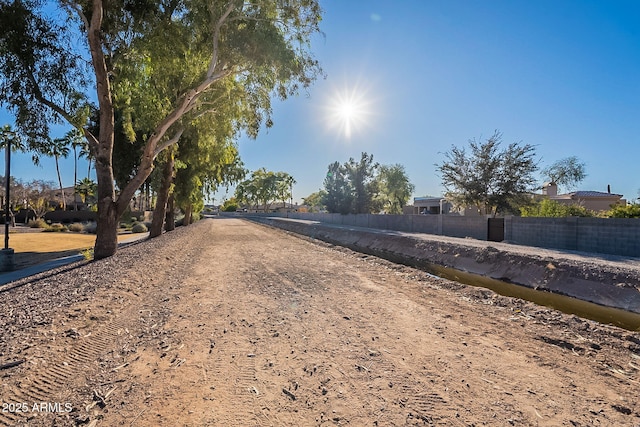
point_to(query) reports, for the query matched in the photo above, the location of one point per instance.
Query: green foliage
(87, 189)
(230, 205)
(160, 66)
(315, 201)
(87, 254)
(38, 66)
(38, 223)
(76, 227)
(339, 190)
(620, 211)
(362, 175)
(353, 187)
(566, 172)
(264, 187)
(552, 208)
(139, 228)
(491, 179)
(395, 188)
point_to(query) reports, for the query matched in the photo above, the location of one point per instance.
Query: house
(429, 205)
(592, 200)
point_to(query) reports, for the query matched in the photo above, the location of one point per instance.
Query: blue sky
(428, 74)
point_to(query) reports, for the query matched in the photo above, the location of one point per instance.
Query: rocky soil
(230, 323)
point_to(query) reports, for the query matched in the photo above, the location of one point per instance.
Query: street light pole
(7, 172)
(6, 255)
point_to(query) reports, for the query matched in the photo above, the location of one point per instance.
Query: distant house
(592, 200)
(429, 206)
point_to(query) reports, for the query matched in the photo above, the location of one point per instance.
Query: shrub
(76, 227)
(38, 223)
(628, 211)
(139, 228)
(91, 227)
(56, 227)
(87, 254)
(551, 208)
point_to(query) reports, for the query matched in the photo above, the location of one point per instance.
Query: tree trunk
(75, 177)
(64, 202)
(187, 214)
(107, 229)
(163, 197)
(147, 196)
(102, 147)
(170, 218)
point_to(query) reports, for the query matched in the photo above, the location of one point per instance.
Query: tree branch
(76, 7)
(168, 143)
(216, 38)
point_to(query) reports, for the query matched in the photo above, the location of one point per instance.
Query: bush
(76, 227)
(38, 223)
(56, 227)
(91, 227)
(139, 228)
(628, 211)
(551, 208)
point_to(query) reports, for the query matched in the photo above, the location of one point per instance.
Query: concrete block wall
(464, 226)
(559, 233)
(616, 236)
(430, 224)
(619, 236)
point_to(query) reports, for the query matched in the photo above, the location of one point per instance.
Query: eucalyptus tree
(395, 187)
(284, 187)
(264, 187)
(567, 172)
(315, 201)
(204, 164)
(153, 60)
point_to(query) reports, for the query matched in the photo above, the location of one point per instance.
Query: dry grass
(53, 242)
(35, 248)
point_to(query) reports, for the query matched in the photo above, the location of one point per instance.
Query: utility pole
(6, 255)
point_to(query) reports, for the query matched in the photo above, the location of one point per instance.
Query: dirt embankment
(230, 323)
(606, 280)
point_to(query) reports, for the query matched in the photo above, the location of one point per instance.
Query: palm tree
(77, 141)
(58, 148)
(85, 153)
(86, 189)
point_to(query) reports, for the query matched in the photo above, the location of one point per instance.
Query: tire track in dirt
(49, 384)
(258, 328)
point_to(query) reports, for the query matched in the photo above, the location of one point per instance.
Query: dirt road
(229, 323)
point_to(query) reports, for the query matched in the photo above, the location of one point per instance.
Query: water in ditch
(607, 315)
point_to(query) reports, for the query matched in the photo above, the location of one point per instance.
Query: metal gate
(495, 231)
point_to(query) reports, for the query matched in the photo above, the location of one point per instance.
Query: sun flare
(348, 112)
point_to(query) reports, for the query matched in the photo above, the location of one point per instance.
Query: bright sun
(347, 111)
